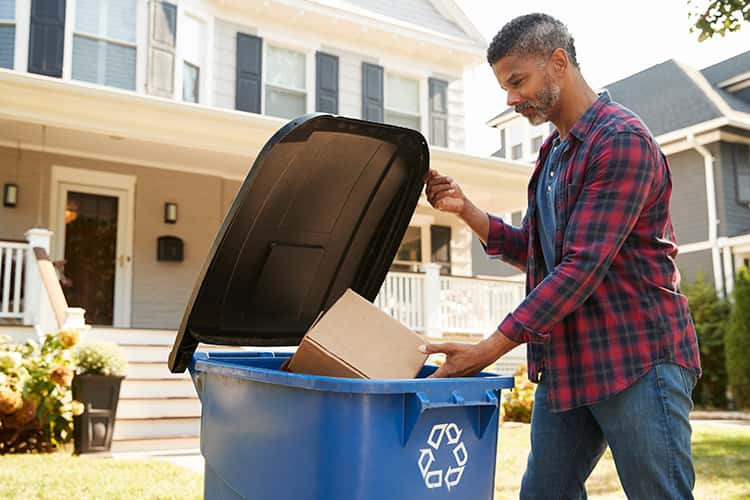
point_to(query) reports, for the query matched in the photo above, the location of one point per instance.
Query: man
(610, 339)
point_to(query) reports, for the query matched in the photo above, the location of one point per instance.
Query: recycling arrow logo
(433, 475)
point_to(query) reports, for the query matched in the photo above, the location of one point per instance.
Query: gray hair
(532, 35)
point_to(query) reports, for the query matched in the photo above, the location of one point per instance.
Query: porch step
(151, 445)
(159, 408)
(156, 428)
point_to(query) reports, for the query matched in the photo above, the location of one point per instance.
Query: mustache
(524, 107)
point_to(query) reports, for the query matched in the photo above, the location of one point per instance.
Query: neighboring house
(701, 120)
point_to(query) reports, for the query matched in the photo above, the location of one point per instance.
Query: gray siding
(734, 217)
(693, 263)
(688, 207)
(350, 80)
(225, 61)
(483, 265)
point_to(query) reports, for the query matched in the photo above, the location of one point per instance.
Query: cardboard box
(355, 339)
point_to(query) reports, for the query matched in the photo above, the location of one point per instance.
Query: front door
(92, 214)
(90, 254)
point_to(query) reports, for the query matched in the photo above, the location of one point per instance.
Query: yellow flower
(69, 337)
(10, 400)
(77, 408)
(62, 375)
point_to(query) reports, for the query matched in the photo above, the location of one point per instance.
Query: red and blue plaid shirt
(611, 308)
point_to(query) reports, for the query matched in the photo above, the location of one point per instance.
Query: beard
(543, 103)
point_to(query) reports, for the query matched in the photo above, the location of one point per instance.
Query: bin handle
(418, 402)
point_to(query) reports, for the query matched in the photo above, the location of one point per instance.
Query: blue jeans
(646, 427)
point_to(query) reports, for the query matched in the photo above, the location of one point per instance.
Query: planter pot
(93, 429)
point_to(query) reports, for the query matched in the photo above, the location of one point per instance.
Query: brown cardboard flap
(313, 359)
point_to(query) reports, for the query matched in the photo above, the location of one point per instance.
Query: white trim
(119, 159)
(739, 86)
(93, 181)
(741, 79)
(23, 26)
(694, 247)
(141, 45)
(710, 91)
(703, 139)
(70, 21)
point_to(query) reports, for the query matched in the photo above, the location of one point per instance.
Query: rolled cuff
(517, 332)
(494, 237)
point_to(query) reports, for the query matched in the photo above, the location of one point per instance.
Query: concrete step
(158, 408)
(153, 370)
(157, 388)
(157, 444)
(143, 428)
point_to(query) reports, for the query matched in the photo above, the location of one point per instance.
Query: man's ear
(559, 60)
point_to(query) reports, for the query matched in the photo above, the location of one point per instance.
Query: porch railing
(13, 258)
(434, 304)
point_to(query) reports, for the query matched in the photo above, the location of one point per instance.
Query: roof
(671, 95)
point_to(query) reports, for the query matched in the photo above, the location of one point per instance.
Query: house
(701, 119)
(127, 126)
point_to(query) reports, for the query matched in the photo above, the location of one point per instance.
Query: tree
(737, 343)
(709, 314)
(718, 17)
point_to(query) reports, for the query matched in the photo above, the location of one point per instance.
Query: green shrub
(36, 403)
(518, 403)
(100, 358)
(710, 314)
(737, 343)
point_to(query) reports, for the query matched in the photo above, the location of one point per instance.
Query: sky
(614, 39)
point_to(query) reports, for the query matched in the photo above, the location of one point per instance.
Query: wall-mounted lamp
(170, 213)
(10, 195)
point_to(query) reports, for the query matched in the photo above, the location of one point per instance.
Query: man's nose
(513, 99)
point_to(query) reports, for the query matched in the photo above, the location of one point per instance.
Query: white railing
(13, 255)
(434, 304)
(471, 305)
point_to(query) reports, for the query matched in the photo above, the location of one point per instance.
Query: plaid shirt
(611, 309)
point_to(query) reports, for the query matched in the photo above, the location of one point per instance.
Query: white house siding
(225, 61)
(350, 79)
(456, 115)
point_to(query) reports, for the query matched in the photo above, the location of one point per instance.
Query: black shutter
(326, 83)
(249, 67)
(372, 92)
(47, 36)
(438, 112)
(161, 48)
(440, 238)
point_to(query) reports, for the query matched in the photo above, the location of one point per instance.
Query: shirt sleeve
(619, 181)
(508, 243)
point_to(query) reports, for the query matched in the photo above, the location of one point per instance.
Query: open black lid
(323, 209)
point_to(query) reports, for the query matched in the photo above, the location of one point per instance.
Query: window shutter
(161, 57)
(326, 83)
(438, 112)
(372, 92)
(249, 68)
(47, 35)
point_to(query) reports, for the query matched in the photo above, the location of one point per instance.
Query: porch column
(37, 308)
(433, 324)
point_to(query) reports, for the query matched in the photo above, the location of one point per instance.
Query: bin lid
(323, 208)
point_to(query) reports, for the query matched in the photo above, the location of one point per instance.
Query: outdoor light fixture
(170, 213)
(10, 195)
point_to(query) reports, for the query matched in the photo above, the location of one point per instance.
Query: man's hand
(466, 360)
(443, 193)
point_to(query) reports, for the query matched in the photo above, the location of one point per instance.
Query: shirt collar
(584, 123)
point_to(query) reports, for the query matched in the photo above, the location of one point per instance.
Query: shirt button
(552, 173)
(549, 188)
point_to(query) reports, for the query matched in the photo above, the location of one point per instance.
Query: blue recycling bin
(268, 434)
(323, 209)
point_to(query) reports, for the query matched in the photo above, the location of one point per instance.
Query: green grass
(721, 454)
(60, 475)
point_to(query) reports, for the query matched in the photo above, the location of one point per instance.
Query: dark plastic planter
(93, 429)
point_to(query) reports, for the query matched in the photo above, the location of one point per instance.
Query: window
(104, 43)
(286, 94)
(536, 143)
(7, 33)
(742, 178)
(191, 38)
(402, 102)
(440, 237)
(502, 152)
(517, 152)
(515, 139)
(409, 254)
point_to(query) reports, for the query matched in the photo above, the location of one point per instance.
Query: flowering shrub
(518, 403)
(36, 405)
(99, 358)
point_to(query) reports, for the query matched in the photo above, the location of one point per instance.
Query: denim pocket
(688, 379)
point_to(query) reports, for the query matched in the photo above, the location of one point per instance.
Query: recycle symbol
(437, 477)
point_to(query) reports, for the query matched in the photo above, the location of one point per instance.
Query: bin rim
(203, 363)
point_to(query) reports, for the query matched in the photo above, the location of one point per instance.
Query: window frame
(202, 64)
(13, 23)
(737, 175)
(419, 116)
(97, 38)
(306, 93)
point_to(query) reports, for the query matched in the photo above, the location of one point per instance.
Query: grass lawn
(721, 453)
